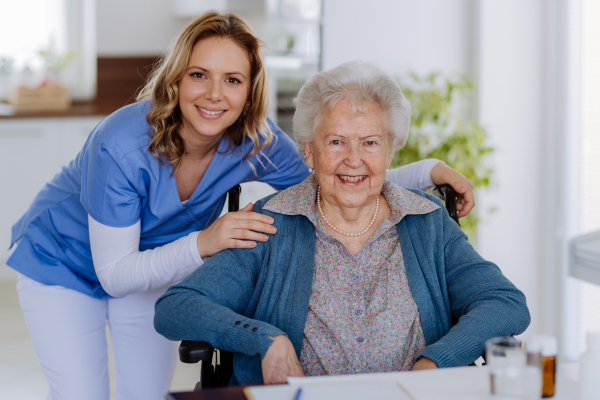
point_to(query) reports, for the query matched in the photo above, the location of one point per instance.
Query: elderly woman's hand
(424, 363)
(442, 174)
(280, 361)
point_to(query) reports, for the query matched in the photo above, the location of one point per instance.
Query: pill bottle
(548, 352)
(589, 369)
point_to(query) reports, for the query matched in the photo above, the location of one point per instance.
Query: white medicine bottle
(589, 369)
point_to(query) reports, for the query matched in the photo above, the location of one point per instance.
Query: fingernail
(463, 188)
(273, 230)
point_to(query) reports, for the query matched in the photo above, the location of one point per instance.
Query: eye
(198, 75)
(371, 142)
(335, 142)
(232, 80)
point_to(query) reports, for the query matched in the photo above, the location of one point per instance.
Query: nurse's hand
(238, 230)
(442, 174)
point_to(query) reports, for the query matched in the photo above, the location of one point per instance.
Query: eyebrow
(226, 73)
(360, 137)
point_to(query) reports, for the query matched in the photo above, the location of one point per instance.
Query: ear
(308, 149)
(389, 158)
(390, 152)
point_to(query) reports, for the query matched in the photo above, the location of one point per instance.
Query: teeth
(352, 178)
(210, 112)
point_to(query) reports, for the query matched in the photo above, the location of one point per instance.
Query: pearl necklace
(337, 230)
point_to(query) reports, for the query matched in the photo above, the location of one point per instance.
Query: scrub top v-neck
(117, 181)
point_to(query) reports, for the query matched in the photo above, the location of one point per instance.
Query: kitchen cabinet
(33, 150)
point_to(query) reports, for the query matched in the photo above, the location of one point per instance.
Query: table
(230, 393)
(465, 383)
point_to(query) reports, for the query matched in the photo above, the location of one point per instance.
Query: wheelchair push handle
(450, 198)
(234, 198)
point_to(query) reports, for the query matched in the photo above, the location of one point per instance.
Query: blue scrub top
(117, 181)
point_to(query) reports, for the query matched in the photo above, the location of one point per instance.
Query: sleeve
(484, 303)
(122, 269)
(416, 175)
(284, 167)
(209, 304)
(108, 192)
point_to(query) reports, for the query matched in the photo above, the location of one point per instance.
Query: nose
(353, 155)
(214, 92)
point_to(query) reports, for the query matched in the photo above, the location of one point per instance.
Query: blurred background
(515, 84)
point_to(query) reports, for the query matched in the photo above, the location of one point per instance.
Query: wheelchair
(216, 366)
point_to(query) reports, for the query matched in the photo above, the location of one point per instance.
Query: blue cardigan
(240, 296)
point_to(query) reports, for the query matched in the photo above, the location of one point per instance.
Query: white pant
(68, 333)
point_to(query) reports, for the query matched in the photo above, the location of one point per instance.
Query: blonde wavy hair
(162, 89)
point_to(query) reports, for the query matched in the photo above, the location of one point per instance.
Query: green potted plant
(54, 63)
(440, 130)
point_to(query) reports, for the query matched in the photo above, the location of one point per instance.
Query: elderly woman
(362, 275)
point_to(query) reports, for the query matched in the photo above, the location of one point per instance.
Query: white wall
(400, 35)
(147, 27)
(135, 27)
(510, 107)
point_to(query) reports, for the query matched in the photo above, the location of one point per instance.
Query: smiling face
(214, 88)
(350, 154)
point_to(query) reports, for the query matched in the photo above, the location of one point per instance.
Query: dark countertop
(99, 107)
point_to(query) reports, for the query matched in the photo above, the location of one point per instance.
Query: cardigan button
(358, 312)
(246, 325)
(254, 329)
(237, 322)
(360, 339)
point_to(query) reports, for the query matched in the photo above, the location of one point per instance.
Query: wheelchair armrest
(191, 352)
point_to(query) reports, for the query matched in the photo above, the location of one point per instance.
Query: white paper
(275, 392)
(351, 391)
(466, 383)
(355, 391)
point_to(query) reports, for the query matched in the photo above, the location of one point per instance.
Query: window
(582, 313)
(28, 26)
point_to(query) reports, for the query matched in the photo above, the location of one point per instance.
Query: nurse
(138, 208)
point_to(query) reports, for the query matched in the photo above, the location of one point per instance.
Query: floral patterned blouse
(362, 317)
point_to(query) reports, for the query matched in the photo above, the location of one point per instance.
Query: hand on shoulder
(239, 230)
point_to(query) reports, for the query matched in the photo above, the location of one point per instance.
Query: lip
(352, 183)
(212, 109)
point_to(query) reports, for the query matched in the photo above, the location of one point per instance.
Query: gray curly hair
(359, 83)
